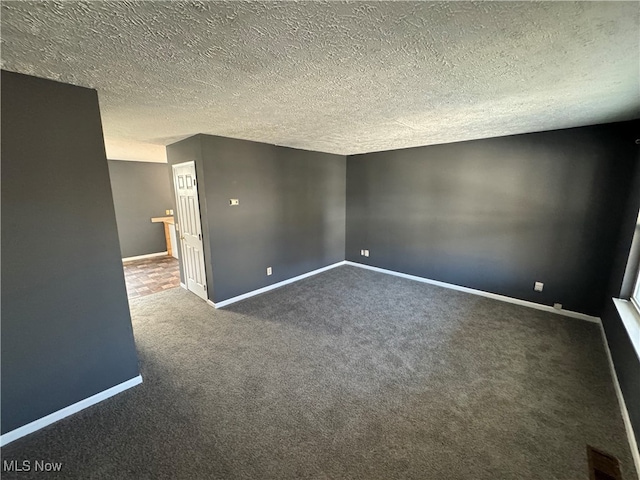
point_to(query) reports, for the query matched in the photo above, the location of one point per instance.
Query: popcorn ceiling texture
(335, 77)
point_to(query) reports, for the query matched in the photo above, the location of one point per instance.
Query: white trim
(229, 301)
(631, 321)
(65, 412)
(183, 285)
(623, 406)
(495, 296)
(148, 255)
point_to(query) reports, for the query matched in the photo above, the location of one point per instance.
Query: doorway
(189, 228)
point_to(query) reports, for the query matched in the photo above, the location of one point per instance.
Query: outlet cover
(366, 253)
(233, 202)
(538, 286)
(362, 253)
(269, 271)
(557, 306)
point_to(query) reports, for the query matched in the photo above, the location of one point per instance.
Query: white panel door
(189, 228)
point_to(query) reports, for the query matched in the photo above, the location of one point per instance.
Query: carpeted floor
(350, 374)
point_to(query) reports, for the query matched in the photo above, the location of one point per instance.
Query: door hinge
(199, 236)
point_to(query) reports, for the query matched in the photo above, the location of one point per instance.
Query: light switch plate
(538, 286)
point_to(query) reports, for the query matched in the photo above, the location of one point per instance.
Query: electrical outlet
(538, 286)
(269, 271)
(234, 202)
(557, 306)
(366, 253)
(362, 253)
(166, 212)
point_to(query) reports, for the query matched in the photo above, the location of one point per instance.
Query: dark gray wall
(291, 214)
(498, 214)
(66, 329)
(141, 190)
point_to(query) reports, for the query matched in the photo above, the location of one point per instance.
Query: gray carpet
(349, 374)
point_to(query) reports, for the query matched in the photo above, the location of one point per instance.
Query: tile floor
(151, 275)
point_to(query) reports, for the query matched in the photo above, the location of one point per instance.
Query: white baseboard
(65, 412)
(623, 406)
(229, 301)
(495, 296)
(184, 285)
(148, 255)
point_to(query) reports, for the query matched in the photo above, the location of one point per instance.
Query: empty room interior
(320, 240)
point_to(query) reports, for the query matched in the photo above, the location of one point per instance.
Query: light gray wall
(66, 328)
(291, 215)
(141, 190)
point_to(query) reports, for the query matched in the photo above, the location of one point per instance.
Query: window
(634, 262)
(630, 310)
(633, 267)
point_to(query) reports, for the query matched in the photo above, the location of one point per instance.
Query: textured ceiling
(334, 77)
